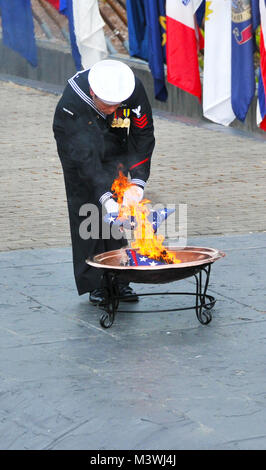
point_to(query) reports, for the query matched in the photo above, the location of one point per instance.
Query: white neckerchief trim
(83, 95)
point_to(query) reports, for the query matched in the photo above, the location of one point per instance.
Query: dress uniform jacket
(91, 152)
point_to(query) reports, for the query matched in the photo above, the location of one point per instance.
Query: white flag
(217, 63)
(88, 26)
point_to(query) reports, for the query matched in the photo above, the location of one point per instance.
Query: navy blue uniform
(91, 152)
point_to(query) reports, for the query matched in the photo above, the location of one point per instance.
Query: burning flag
(144, 222)
(136, 259)
(156, 218)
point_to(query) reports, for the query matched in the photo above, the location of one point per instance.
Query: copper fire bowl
(193, 259)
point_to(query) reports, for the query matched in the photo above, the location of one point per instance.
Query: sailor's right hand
(111, 206)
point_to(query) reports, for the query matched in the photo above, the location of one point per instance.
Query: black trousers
(78, 196)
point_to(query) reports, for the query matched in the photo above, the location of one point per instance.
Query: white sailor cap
(112, 81)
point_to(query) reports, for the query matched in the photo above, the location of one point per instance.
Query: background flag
(88, 28)
(255, 14)
(200, 13)
(66, 8)
(18, 28)
(181, 45)
(55, 3)
(217, 63)
(62, 5)
(261, 102)
(137, 29)
(155, 17)
(243, 74)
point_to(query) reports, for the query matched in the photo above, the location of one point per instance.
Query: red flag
(261, 103)
(182, 46)
(55, 3)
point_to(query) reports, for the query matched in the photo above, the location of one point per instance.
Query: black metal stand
(204, 302)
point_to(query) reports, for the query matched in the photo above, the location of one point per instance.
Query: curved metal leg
(204, 302)
(111, 299)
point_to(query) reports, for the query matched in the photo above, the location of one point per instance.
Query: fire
(146, 242)
(119, 186)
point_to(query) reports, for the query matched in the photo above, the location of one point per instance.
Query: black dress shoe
(127, 294)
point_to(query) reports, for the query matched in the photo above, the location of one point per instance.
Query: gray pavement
(218, 173)
(154, 380)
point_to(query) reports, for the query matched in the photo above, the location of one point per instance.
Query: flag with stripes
(136, 259)
(66, 8)
(55, 3)
(182, 45)
(261, 102)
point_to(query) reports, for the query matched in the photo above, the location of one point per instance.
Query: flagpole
(52, 16)
(114, 29)
(43, 25)
(118, 12)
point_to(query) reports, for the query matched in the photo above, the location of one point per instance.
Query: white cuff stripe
(104, 197)
(140, 182)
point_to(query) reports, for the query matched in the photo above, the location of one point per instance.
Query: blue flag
(200, 13)
(156, 24)
(66, 8)
(18, 28)
(137, 29)
(243, 73)
(255, 9)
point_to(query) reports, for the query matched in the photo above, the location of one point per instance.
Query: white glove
(111, 206)
(133, 195)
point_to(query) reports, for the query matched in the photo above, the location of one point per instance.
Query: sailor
(102, 123)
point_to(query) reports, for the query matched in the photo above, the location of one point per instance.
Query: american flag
(128, 223)
(156, 218)
(136, 259)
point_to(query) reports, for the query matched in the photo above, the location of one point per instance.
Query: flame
(146, 242)
(119, 186)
